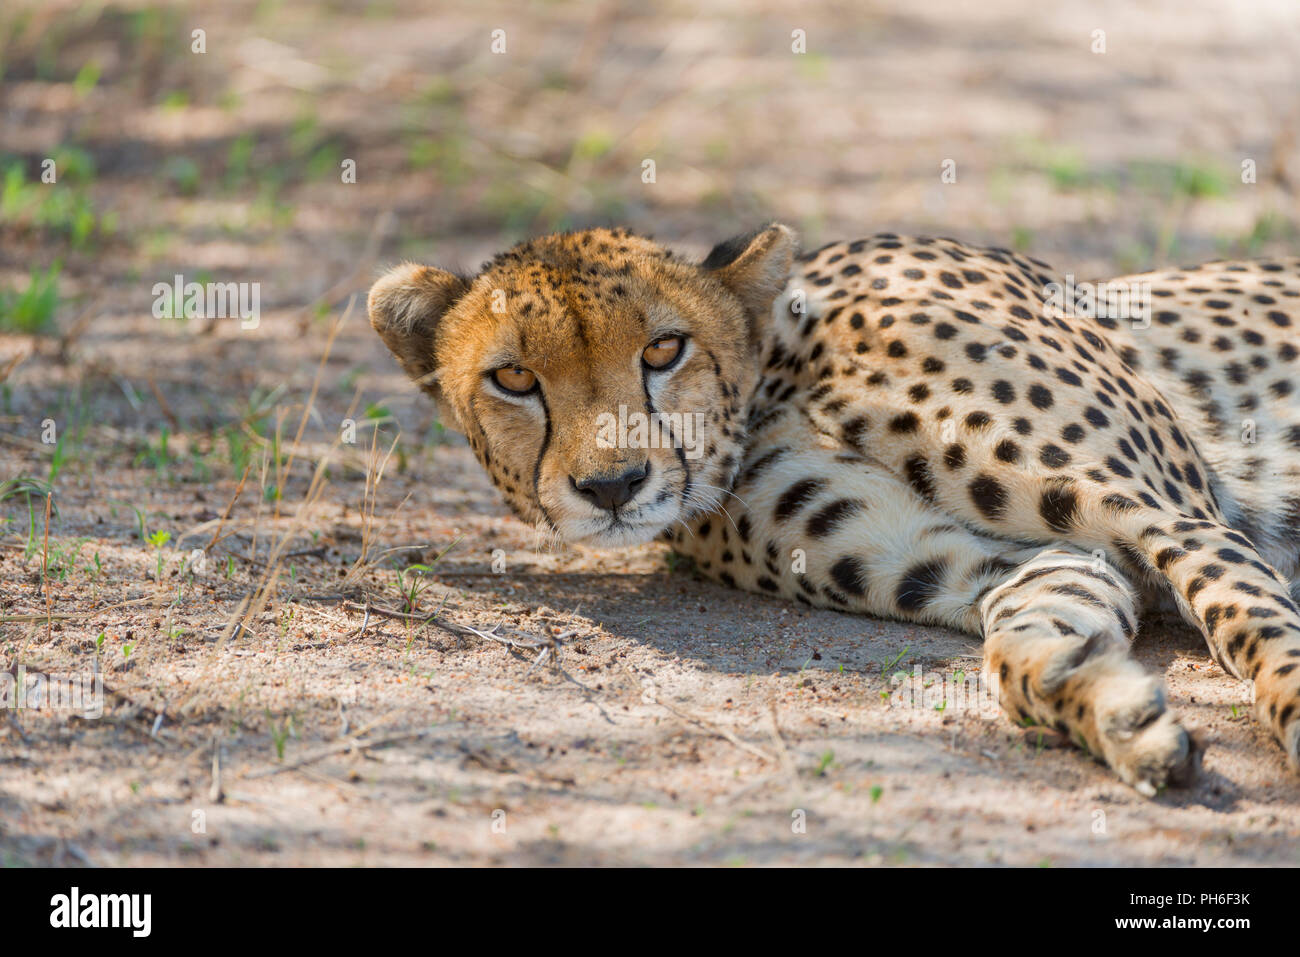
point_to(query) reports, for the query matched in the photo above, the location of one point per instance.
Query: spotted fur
(912, 428)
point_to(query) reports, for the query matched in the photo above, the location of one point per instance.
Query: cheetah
(910, 428)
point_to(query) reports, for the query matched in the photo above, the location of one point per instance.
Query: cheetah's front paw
(1092, 691)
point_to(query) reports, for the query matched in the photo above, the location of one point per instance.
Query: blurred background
(228, 162)
(301, 147)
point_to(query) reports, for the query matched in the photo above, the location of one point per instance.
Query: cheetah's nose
(610, 493)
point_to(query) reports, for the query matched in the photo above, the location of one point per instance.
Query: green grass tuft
(32, 310)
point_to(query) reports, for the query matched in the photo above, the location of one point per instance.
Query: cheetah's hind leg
(1057, 636)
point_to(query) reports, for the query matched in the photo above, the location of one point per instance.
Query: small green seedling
(825, 762)
(158, 539)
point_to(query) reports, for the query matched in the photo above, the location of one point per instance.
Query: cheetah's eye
(515, 380)
(662, 353)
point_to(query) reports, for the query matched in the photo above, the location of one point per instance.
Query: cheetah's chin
(622, 535)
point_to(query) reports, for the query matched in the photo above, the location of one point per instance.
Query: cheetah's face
(600, 381)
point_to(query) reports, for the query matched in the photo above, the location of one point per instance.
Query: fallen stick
(445, 624)
(350, 744)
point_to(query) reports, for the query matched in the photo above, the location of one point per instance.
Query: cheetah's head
(601, 380)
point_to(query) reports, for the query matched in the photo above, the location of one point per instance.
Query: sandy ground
(670, 721)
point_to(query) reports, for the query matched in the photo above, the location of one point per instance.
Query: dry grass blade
(283, 473)
(163, 405)
(783, 752)
(374, 475)
(7, 368)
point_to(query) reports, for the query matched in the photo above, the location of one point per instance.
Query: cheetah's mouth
(635, 524)
(622, 529)
(619, 533)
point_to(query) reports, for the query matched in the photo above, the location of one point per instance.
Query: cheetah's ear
(755, 266)
(406, 305)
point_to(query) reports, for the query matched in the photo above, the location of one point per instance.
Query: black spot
(1167, 556)
(907, 422)
(1096, 418)
(829, 518)
(918, 476)
(1040, 397)
(1059, 508)
(1119, 503)
(919, 585)
(1053, 456)
(853, 430)
(850, 574)
(1118, 467)
(1007, 451)
(988, 495)
(760, 465)
(796, 497)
